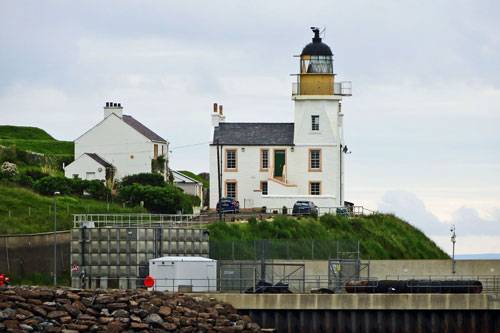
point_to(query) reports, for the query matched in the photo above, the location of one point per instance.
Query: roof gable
(99, 159)
(131, 122)
(139, 127)
(254, 134)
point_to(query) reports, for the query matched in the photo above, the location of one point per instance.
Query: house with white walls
(278, 164)
(188, 184)
(118, 142)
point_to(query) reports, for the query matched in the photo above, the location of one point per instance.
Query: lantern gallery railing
(343, 88)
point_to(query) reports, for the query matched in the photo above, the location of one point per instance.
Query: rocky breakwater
(32, 309)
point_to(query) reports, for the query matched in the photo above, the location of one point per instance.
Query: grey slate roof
(98, 159)
(132, 122)
(254, 134)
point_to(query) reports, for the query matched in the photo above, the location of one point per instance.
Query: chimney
(217, 117)
(112, 107)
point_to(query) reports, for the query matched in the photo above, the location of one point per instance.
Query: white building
(277, 164)
(188, 184)
(118, 140)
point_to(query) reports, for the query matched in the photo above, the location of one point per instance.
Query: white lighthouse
(277, 164)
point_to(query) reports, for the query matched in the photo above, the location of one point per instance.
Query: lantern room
(316, 75)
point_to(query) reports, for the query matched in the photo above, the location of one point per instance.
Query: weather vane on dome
(318, 33)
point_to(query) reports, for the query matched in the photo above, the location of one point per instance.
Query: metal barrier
(137, 220)
(303, 249)
(351, 211)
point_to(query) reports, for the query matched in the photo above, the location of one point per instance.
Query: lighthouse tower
(318, 111)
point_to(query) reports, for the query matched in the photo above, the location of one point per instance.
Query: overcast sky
(422, 124)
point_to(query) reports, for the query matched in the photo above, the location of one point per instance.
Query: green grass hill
(196, 177)
(22, 211)
(381, 236)
(35, 140)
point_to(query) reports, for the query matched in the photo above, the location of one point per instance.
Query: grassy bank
(22, 211)
(34, 139)
(381, 236)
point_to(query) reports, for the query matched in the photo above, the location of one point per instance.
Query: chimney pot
(107, 104)
(220, 110)
(119, 105)
(115, 105)
(215, 107)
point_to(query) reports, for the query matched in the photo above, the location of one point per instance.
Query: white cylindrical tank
(195, 273)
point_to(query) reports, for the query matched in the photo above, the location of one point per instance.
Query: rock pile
(27, 309)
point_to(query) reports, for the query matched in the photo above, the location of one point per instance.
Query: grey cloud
(411, 208)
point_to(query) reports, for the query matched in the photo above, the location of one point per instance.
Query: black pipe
(415, 287)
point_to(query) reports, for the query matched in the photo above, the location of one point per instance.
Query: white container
(196, 273)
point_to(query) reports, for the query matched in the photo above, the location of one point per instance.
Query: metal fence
(300, 249)
(137, 220)
(351, 211)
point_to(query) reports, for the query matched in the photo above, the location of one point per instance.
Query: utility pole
(453, 240)
(55, 238)
(219, 178)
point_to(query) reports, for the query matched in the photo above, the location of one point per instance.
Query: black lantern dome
(317, 47)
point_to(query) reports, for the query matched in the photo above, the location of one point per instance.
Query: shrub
(25, 181)
(49, 185)
(252, 221)
(96, 189)
(9, 170)
(35, 174)
(166, 199)
(195, 200)
(153, 179)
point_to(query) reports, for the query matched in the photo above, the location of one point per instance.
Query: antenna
(323, 33)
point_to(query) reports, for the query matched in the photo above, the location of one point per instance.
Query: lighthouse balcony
(343, 88)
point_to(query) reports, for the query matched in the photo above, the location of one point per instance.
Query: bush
(195, 200)
(96, 189)
(252, 221)
(166, 199)
(35, 174)
(152, 179)
(49, 185)
(25, 181)
(9, 170)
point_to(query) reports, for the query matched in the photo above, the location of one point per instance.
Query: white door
(165, 280)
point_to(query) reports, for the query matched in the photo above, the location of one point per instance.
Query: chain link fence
(299, 249)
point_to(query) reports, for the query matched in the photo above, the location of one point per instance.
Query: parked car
(228, 205)
(304, 208)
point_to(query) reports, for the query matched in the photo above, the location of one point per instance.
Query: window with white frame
(231, 190)
(263, 187)
(315, 122)
(264, 164)
(231, 159)
(315, 159)
(314, 188)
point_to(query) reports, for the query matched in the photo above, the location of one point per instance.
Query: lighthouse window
(315, 188)
(231, 159)
(314, 160)
(320, 64)
(315, 123)
(264, 161)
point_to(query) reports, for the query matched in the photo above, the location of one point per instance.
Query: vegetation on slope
(381, 236)
(23, 211)
(196, 177)
(35, 140)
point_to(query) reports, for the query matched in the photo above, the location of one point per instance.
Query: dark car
(304, 208)
(228, 205)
